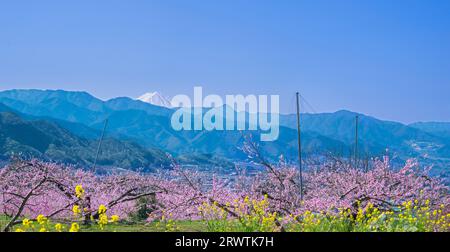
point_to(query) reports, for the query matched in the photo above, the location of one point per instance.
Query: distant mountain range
(440, 129)
(47, 140)
(375, 136)
(65, 126)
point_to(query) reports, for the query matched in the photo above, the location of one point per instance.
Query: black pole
(299, 148)
(99, 145)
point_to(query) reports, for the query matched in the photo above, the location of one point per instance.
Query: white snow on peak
(155, 98)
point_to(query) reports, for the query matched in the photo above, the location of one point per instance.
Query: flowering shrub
(167, 224)
(344, 186)
(44, 225)
(412, 217)
(336, 197)
(253, 216)
(246, 216)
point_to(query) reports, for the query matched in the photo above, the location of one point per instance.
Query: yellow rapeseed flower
(41, 219)
(74, 227)
(114, 218)
(76, 210)
(103, 220)
(58, 227)
(102, 209)
(26, 222)
(79, 191)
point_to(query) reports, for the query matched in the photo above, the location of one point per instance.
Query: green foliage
(143, 208)
(252, 216)
(411, 217)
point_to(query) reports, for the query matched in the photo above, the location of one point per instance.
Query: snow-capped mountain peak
(155, 98)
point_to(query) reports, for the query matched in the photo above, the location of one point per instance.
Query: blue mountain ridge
(149, 127)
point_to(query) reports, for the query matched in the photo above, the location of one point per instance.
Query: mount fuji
(155, 98)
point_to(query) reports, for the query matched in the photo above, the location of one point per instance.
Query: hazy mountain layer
(47, 140)
(148, 127)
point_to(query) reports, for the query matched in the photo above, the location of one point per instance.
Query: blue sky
(389, 59)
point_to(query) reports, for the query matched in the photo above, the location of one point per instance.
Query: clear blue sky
(389, 59)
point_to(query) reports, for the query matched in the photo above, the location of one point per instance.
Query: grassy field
(3, 221)
(183, 226)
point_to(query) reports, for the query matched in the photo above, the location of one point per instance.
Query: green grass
(3, 221)
(183, 226)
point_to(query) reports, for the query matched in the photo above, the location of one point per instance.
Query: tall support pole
(299, 148)
(99, 146)
(356, 140)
